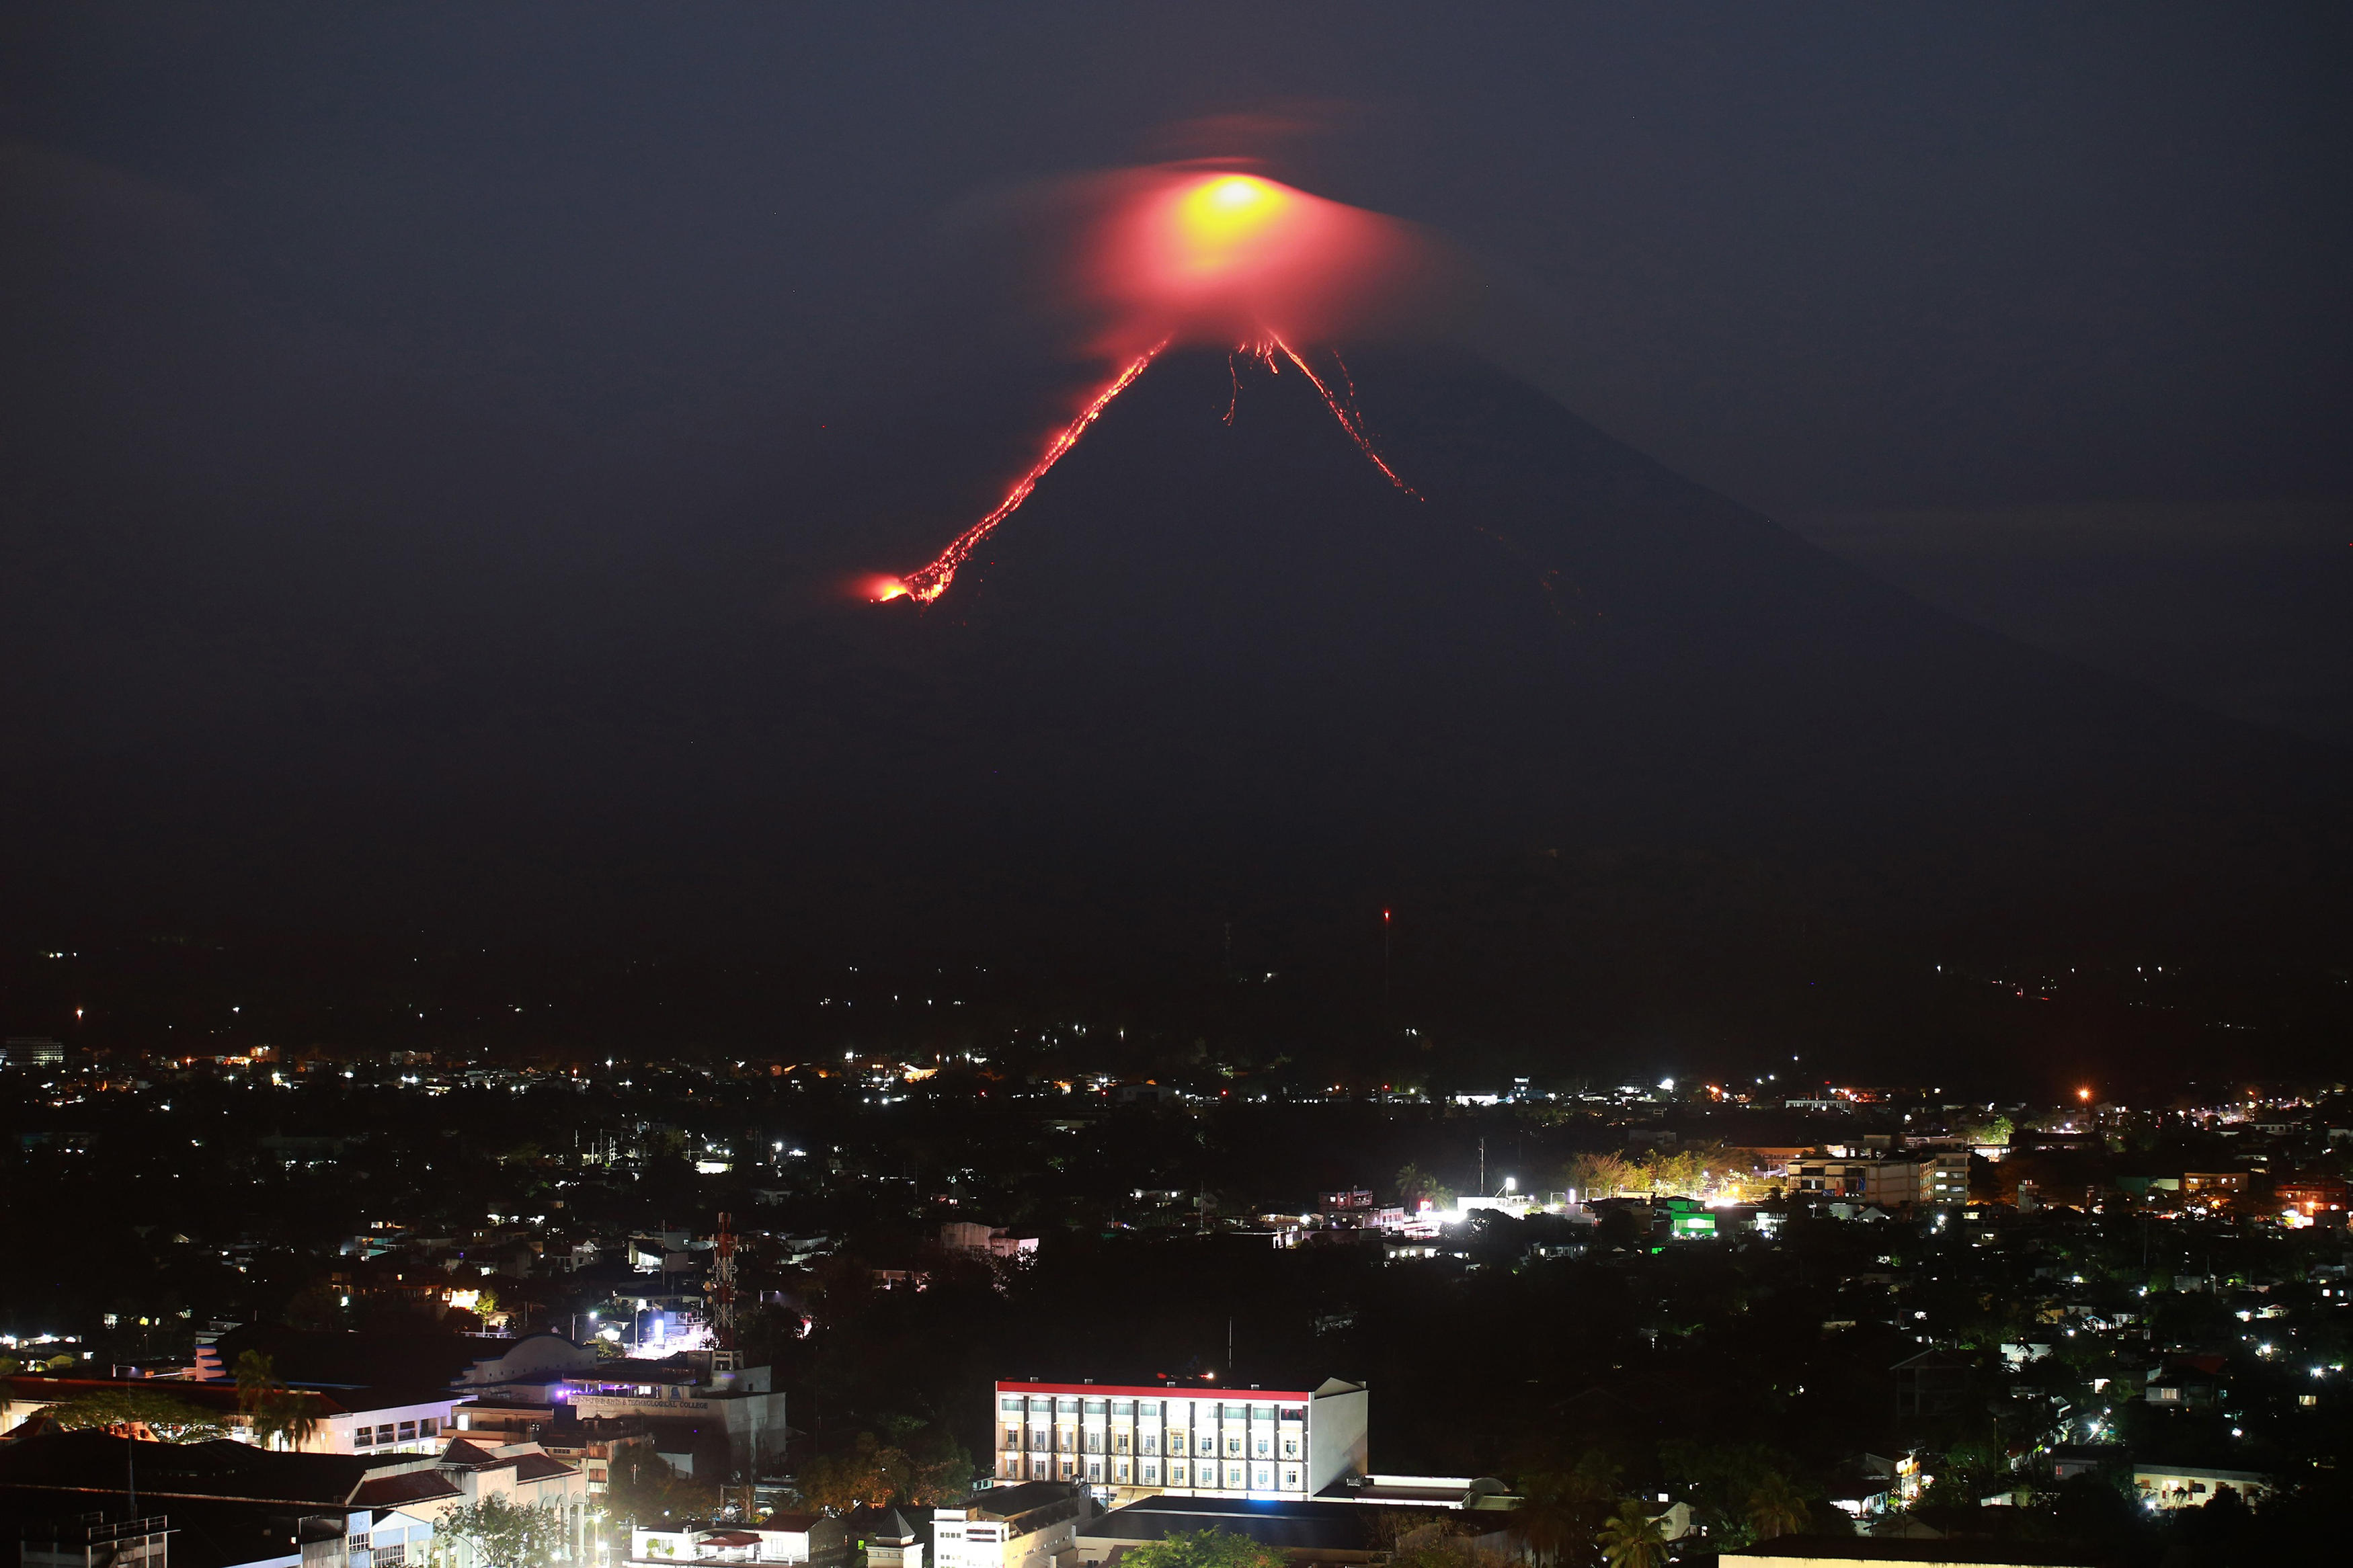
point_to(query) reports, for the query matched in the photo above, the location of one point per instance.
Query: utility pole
(1482, 1164)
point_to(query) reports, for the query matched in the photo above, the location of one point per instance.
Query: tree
(856, 1477)
(276, 1414)
(139, 1413)
(1593, 1177)
(641, 1488)
(1776, 1508)
(1562, 1509)
(1631, 1539)
(1205, 1549)
(1415, 1184)
(502, 1534)
(1986, 1129)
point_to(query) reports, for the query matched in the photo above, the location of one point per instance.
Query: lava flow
(1181, 255)
(929, 584)
(1343, 410)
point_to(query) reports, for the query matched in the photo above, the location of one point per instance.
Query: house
(1851, 1551)
(1026, 1526)
(891, 1536)
(409, 1420)
(225, 1504)
(779, 1538)
(1934, 1383)
(987, 1241)
(2191, 1486)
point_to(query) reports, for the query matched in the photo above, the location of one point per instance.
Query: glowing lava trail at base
(929, 584)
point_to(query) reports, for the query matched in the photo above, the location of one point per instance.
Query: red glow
(1219, 256)
(929, 584)
(1191, 256)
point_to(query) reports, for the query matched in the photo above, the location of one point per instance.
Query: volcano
(1208, 660)
(1219, 692)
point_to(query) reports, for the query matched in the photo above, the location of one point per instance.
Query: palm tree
(1632, 1538)
(1561, 1509)
(1776, 1509)
(276, 1412)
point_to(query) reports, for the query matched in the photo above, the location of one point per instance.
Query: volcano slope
(1212, 665)
(1217, 695)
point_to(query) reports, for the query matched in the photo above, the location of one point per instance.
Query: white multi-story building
(1231, 1442)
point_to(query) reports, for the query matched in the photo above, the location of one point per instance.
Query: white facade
(1023, 1527)
(1244, 1442)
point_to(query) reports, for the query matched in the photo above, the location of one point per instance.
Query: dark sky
(358, 353)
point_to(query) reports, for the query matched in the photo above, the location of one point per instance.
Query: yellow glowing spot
(1219, 214)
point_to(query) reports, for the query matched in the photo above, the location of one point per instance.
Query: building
(1026, 1526)
(1934, 1383)
(743, 1405)
(32, 1051)
(1848, 1550)
(350, 1420)
(2193, 1486)
(88, 1543)
(1889, 1180)
(987, 1241)
(1257, 1443)
(780, 1538)
(224, 1504)
(891, 1536)
(2215, 1188)
(1307, 1530)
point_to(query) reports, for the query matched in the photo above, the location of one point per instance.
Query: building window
(1234, 1477)
(408, 1431)
(384, 1434)
(1119, 1442)
(1208, 1443)
(1039, 1469)
(1264, 1480)
(1294, 1413)
(427, 1428)
(1150, 1442)
(1264, 1448)
(1291, 1447)
(1233, 1445)
(1013, 1436)
(1094, 1470)
(363, 1437)
(1176, 1475)
(1290, 1478)
(1151, 1475)
(1095, 1442)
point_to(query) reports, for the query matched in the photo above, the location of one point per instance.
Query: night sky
(423, 421)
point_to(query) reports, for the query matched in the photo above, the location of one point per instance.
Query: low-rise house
(2193, 1486)
(779, 1538)
(1027, 1526)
